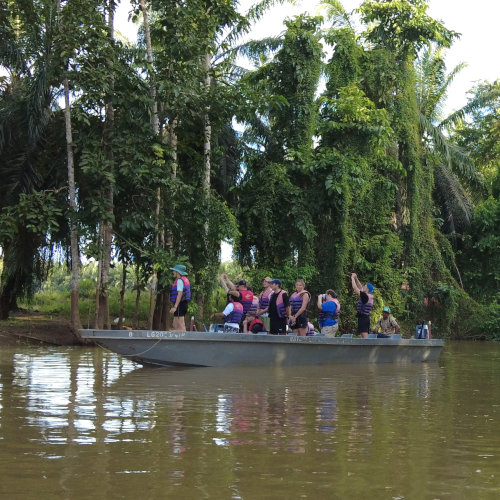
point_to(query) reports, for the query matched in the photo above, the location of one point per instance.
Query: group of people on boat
(274, 311)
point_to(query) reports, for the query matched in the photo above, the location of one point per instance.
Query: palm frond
(482, 99)
(257, 11)
(336, 13)
(455, 157)
(458, 207)
(254, 49)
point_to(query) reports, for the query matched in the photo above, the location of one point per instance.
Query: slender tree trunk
(207, 136)
(156, 130)
(107, 232)
(75, 253)
(135, 323)
(122, 296)
(99, 277)
(207, 150)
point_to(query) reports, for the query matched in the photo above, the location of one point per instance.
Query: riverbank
(35, 328)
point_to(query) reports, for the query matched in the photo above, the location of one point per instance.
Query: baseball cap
(276, 281)
(242, 282)
(386, 310)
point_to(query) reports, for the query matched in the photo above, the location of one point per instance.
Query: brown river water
(85, 423)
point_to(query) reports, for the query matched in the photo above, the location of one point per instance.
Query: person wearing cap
(279, 308)
(240, 291)
(387, 324)
(365, 304)
(179, 296)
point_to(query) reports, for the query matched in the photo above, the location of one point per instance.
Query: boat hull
(167, 348)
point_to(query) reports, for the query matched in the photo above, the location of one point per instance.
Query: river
(81, 422)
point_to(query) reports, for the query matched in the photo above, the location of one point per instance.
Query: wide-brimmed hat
(180, 269)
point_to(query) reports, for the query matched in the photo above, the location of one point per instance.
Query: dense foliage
(311, 165)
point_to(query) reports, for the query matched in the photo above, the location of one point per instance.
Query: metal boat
(175, 348)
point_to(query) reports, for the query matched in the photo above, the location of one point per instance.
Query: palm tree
(453, 166)
(27, 100)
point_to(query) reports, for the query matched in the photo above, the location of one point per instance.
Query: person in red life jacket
(365, 304)
(232, 314)
(299, 302)
(252, 324)
(180, 296)
(240, 291)
(329, 308)
(279, 308)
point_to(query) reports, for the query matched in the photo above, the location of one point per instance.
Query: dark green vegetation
(130, 154)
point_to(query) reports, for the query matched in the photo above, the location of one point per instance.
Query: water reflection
(69, 414)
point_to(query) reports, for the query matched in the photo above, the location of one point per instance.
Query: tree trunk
(156, 130)
(207, 135)
(122, 297)
(135, 322)
(107, 226)
(75, 254)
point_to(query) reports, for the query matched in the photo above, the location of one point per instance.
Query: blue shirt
(329, 307)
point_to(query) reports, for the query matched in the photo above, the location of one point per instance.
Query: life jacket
(336, 313)
(246, 300)
(422, 332)
(186, 295)
(296, 300)
(255, 305)
(264, 298)
(365, 309)
(324, 315)
(256, 321)
(280, 305)
(236, 314)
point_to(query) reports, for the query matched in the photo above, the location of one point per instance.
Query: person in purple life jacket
(365, 304)
(264, 301)
(279, 308)
(232, 314)
(180, 296)
(299, 302)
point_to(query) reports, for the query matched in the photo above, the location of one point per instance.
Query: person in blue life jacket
(329, 308)
(365, 304)
(232, 314)
(180, 296)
